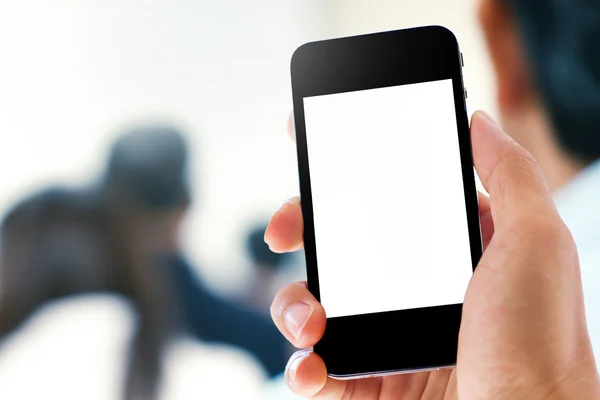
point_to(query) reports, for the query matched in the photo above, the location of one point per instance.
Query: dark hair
(148, 164)
(259, 251)
(562, 41)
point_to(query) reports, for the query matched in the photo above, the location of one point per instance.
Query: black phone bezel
(406, 340)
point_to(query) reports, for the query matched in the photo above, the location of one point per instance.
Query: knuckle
(514, 165)
(526, 163)
(525, 157)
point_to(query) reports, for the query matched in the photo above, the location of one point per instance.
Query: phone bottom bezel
(394, 342)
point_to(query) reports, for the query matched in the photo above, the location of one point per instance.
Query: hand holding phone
(523, 331)
(381, 128)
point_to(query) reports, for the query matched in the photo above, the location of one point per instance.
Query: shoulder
(38, 204)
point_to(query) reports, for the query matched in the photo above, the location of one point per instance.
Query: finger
(286, 228)
(438, 383)
(508, 172)
(451, 388)
(306, 376)
(485, 219)
(298, 315)
(290, 126)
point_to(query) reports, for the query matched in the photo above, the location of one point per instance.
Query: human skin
(523, 333)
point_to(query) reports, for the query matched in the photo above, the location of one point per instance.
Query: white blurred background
(74, 73)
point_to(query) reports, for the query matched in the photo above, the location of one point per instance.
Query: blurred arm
(20, 288)
(215, 319)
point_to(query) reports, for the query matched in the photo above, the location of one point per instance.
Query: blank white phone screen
(388, 201)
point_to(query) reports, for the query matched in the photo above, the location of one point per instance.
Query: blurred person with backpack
(96, 273)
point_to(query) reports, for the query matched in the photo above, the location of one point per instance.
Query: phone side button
(462, 59)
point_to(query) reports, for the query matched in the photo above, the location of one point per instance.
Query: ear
(507, 55)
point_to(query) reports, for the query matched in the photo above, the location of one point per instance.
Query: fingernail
(489, 119)
(296, 316)
(293, 364)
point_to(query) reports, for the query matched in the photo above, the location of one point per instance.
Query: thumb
(508, 172)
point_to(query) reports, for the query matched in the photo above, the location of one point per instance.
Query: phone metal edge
(388, 373)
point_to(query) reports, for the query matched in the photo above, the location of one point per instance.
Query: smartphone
(387, 185)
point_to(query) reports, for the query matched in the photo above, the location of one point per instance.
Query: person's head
(546, 56)
(146, 179)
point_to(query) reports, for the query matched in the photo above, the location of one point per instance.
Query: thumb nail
(295, 318)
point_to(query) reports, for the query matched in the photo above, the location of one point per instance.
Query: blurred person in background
(118, 240)
(156, 168)
(63, 243)
(546, 58)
